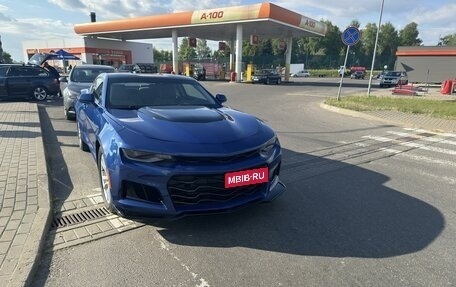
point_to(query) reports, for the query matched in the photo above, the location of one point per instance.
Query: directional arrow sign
(350, 36)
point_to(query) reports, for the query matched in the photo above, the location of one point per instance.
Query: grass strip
(436, 108)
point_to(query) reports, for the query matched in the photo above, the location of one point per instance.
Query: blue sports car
(165, 147)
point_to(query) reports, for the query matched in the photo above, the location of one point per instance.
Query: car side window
(14, 72)
(3, 71)
(97, 88)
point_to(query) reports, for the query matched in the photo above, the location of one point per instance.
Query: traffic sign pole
(349, 37)
(343, 73)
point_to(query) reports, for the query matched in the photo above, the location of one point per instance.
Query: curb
(355, 114)
(29, 260)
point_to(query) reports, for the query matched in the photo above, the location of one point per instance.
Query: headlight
(70, 94)
(145, 156)
(268, 147)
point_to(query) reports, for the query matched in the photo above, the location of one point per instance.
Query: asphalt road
(361, 209)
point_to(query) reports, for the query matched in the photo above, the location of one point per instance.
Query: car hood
(76, 87)
(192, 125)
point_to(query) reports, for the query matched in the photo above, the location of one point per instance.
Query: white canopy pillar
(175, 52)
(232, 56)
(238, 52)
(288, 58)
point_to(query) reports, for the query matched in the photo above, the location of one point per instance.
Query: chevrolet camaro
(166, 147)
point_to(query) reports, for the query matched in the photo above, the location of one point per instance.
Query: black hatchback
(26, 81)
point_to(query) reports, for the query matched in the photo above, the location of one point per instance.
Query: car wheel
(279, 81)
(39, 93)
(105, 184)
(82, 145)
(67, 114)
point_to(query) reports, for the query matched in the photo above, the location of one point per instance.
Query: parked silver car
(393, 78)
(80, 77)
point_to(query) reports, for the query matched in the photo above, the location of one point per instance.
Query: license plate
(246, 177)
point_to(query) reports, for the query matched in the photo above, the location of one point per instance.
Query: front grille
(225, 159)
(188, 190)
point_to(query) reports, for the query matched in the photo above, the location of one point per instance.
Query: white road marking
(428, 139)
(165, 246)
(426, 131)
(415, 145)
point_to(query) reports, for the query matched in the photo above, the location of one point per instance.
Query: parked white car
(303, 73)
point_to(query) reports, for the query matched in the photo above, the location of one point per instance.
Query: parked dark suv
(26, 81)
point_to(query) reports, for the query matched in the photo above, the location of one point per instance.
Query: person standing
(54, 73)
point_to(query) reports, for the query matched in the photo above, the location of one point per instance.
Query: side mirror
(86, 97)
(63, 79)
(221, 98)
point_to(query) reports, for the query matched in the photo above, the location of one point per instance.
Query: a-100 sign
(212, 15)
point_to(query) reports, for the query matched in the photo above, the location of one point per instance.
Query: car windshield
(87, 75)
(394, 74)
(264, 72)
(136, 93)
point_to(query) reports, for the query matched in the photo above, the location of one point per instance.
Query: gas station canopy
(233, 24)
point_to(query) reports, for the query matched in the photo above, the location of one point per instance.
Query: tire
(39, 93)
(279, 81)
(67, 115)
(103, 175)
(82, 145)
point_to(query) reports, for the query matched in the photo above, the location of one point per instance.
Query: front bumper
(141, 190)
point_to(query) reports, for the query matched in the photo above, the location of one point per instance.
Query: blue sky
(46, 19)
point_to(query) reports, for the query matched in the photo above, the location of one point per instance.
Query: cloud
(115, 9)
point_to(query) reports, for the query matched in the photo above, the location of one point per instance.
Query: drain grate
(80, 217)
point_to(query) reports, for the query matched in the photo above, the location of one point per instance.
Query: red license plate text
(246, 177)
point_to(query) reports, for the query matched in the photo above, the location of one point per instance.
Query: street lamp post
(375, 50)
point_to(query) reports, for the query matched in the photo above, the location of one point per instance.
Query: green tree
(331, 45)
(448, 40)
(409, 35)
(388, 41)
(7, 58)
(162, 56)
(202, 50)
(368, 36)
(356, 54)
(185, 51)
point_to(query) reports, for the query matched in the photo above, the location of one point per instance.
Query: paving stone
(28, 218)
(4, 247)
(104, 226)
(6, 211)
(57, 240)
(17, 214)
(20, 239)
(69, 205)
(13, 224)
(4, 221)
(24, 228)
(69, 235)
(93, 229)
(20, 205)
(8, 266)
(9, 202)
(81, 232)
(7, 235)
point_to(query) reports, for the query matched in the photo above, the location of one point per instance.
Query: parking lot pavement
(24, 195)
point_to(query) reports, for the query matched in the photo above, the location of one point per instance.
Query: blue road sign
(350, 36)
